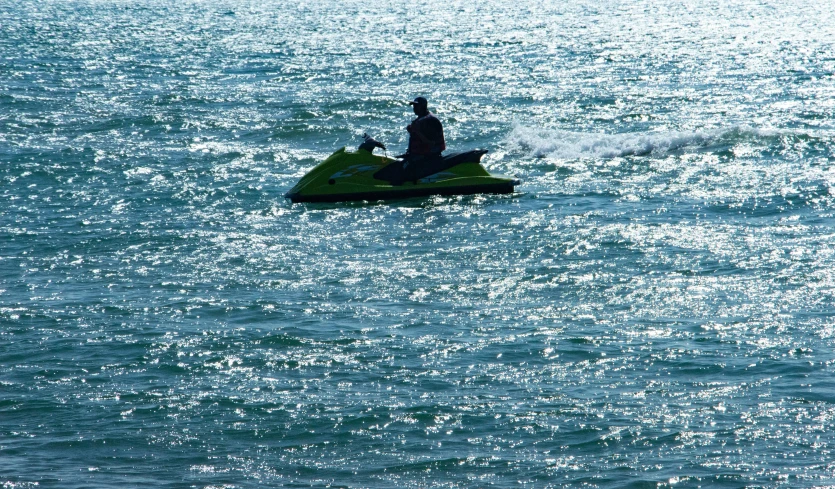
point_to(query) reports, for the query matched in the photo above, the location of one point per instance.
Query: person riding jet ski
(426, 139)
(426, 134)
(421, 171)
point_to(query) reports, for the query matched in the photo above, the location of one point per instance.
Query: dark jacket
(430, 127)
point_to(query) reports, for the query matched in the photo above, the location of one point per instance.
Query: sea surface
(653, 308)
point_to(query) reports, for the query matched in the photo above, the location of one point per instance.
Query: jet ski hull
(406, 192)
(363, 176)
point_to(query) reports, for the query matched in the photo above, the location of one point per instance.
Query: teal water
(653, 308)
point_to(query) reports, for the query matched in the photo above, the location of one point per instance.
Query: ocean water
(653, 307)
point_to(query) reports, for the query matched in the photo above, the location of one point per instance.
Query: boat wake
(555, 143)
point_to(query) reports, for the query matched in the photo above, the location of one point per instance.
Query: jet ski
(362, 175)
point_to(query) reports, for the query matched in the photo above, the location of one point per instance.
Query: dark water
(653, 308)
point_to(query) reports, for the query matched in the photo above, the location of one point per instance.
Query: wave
(562, 144)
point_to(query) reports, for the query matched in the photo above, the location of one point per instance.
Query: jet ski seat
(399, 171)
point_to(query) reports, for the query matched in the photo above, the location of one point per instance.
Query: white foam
(139, 172)
(557, 143)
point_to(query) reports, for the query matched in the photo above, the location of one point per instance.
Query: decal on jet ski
(353, 170)
(437, 177)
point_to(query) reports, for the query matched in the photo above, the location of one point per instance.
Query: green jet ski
(362, 175)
